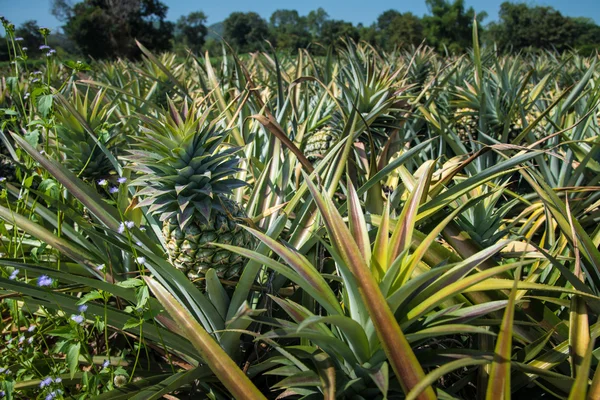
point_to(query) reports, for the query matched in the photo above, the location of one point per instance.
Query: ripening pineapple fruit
(467, 124)
(319, 143)
(185, 172)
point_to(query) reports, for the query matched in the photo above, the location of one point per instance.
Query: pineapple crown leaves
(183, 165)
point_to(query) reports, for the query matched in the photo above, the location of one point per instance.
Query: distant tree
(108, 28)
(332, 31)
(191, 30)
(245, 31)
(587, 35)
(521, 26)
(450, 25)
(315, 21)
(395, 29)
(32, 38)
(62, 9)
(368, 34)
(289, 30)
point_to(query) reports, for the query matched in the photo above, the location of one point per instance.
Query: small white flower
(129, 224)
(100, 267)
(30, 340)
(102, 182)
(143, 228)
(121, 228)
(31, 328)
(141, 260)
(122, 180)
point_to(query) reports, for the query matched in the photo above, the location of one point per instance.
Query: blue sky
(351, 10)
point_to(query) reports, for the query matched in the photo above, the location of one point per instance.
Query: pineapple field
(361, 224)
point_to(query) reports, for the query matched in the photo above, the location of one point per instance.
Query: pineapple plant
(81, 152)
(185, 171)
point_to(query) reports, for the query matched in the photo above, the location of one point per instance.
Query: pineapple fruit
(185, 172)
(319, 143)
(467, 124)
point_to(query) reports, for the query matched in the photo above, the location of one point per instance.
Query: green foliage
(191, 30)
(450, 25)
(521, 26)
(104, 29)
(245, 31)
(289, 30)
(443, 243)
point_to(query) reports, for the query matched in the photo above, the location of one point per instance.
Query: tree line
(108, 29)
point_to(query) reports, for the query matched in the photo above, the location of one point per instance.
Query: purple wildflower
(113, 190)
(82, 308)
(122, 180)
(13, 275)
(129, 224)
(102, 182)
(101, 267)
(44, 280)
(141, 260)
(77, 319)
(45, 382)
(105, 364)
(31, 328)
(19, 39)
(121, 228)
(44, 47)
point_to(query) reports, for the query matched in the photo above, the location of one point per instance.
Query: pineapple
(319, 143)
(185, 172)
(467, 124)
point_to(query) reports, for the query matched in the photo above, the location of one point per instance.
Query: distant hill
(215, 30)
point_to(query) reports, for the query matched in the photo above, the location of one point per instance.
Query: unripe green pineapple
(319, 143)
(185, 172)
